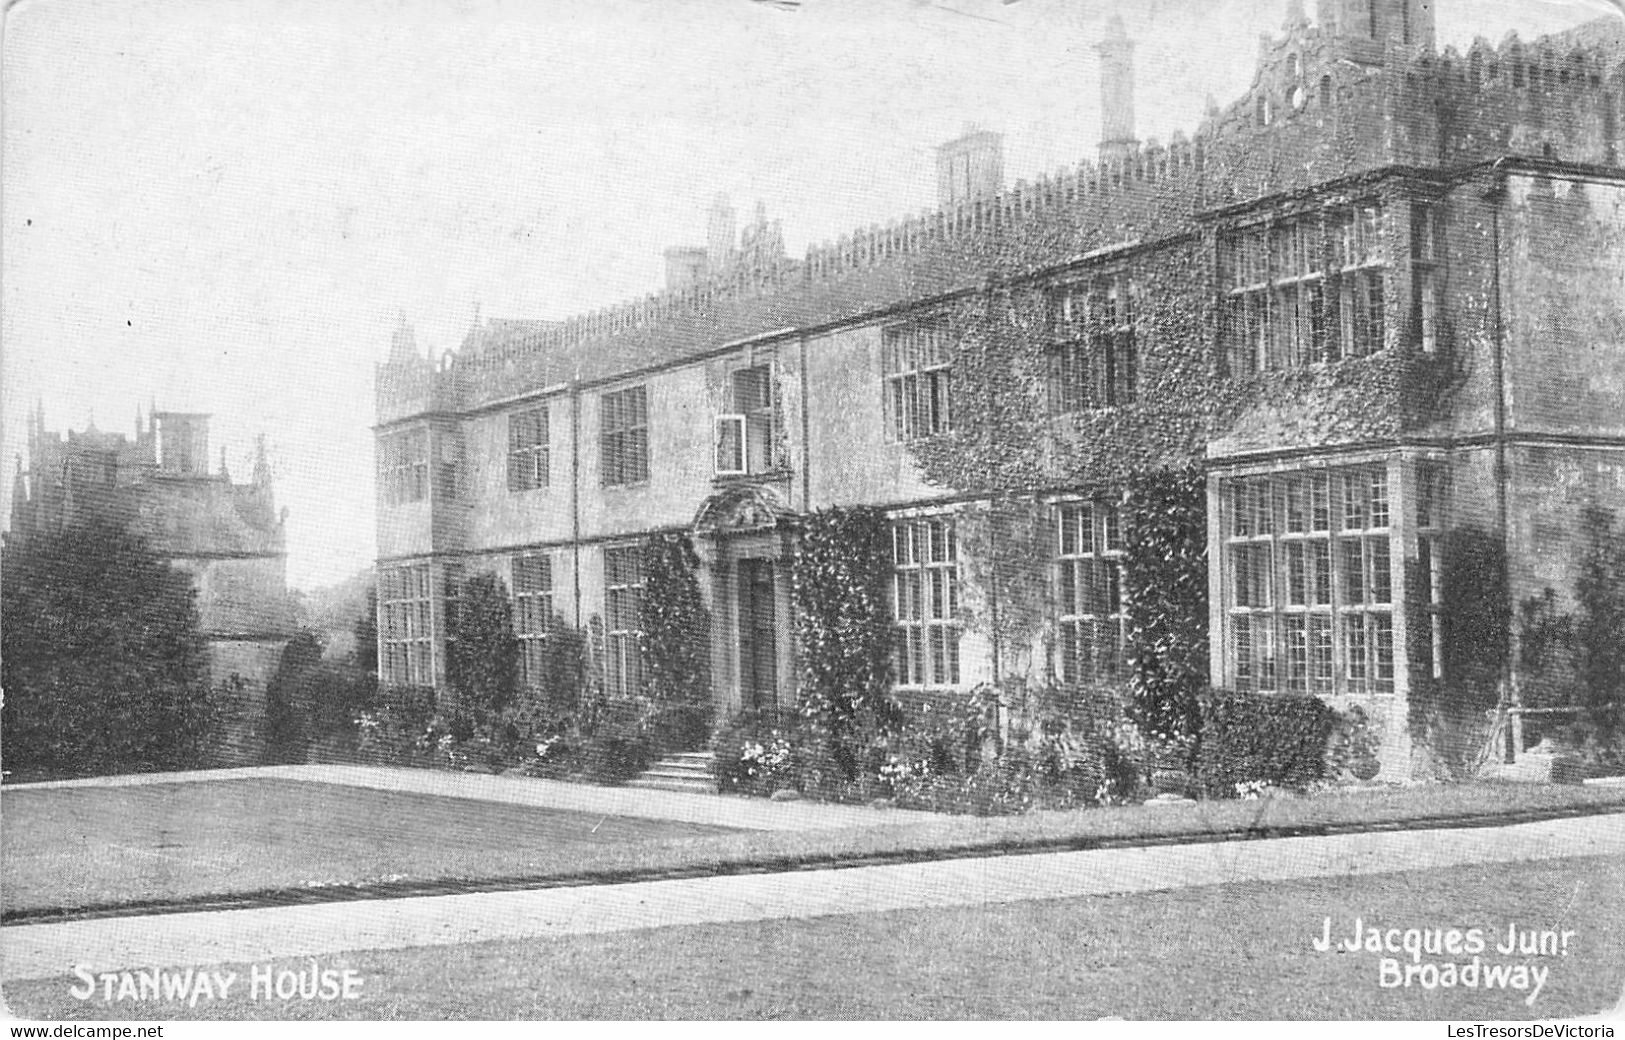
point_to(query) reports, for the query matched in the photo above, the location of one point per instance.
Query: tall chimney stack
(1116, 52)
(686, 267)
(971, 166)
(720, 232)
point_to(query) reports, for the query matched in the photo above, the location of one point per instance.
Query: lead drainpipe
(997, 294)
(575, 499)
(1509, 696)
(806, 432)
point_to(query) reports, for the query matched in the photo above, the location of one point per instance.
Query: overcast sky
(223, 205)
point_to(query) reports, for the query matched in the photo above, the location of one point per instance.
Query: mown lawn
(1238, 951)
(73, 847)
(81, 847)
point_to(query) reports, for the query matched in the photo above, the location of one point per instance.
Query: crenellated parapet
(1059, 195)
(1542, 65)
(1325, 103)
(413, 385)
(1313, 113)
(1109, 194)
(1541, 99)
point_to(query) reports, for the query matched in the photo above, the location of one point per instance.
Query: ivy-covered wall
(1552, 488)
(1006, 437)
(841, 586)
(853, 460)
(1534, 271)
(1166, 561)
(675, 622)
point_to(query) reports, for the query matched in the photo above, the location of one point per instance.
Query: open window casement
(731, 445)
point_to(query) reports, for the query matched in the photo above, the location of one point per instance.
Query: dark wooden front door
(758, 635)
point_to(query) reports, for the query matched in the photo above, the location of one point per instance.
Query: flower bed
(1016, 749)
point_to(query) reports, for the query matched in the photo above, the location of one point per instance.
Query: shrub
(482, 653)
(311, 702)
(610, 754)
(555, 756)
(1084, 767)
(1067, 747)
(1447, 716)
(395, 726)
(1279, 739)
(755, 753)
(1576, 659)
(290, 698)
(729, 739)
(1599, 592)
(615, 753)
(1011, 783)
(563, 727)
(617, 746)
(1083, 742)
(1353, 746)
(561, 689)
(101, 658)
(679, 726)
(1597, 752)
(938, 738)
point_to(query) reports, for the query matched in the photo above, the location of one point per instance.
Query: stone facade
(228, 537)
(1379, 298)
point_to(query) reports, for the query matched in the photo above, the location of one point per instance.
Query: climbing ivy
(1008, 444)
(1011, 447)
(840, 576)
(1447, 714)
(1005, 545)
(1576, 658)
(1377, 397)
(675, 640)
(1007, 440)
(1166, 575)
(1599, 591)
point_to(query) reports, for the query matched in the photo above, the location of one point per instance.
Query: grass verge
(151, 844)
(111, 851)
(1236, 951)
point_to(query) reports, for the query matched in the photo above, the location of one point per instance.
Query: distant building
(1378, 299)
(227, 536)
(970, 168)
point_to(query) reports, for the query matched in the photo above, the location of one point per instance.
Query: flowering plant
(762, 761)
(1252, 790)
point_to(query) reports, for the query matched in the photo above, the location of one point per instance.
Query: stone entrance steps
(684, 771)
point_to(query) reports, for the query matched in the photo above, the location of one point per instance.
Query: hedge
(1279, 739)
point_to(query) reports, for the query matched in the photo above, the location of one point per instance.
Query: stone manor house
(1378, 298)
(227, 537)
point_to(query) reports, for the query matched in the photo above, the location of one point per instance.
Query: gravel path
(47, 950)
